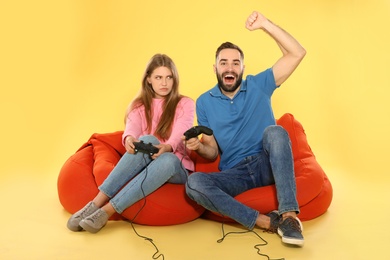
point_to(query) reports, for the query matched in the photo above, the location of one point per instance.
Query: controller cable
(224, 235)
(157, 254)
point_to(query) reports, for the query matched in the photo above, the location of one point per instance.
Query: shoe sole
(291, 240)
(78, 228)
(74, 229)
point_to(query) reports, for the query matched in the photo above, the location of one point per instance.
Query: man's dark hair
(228, 45)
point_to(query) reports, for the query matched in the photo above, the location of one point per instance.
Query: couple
(254, 151)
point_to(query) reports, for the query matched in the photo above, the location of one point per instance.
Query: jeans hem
(296, 210)
(253, 223)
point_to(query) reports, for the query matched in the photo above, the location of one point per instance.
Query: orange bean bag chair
(314, 190)
(85, 170)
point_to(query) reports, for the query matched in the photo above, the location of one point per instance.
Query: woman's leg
(158, 172)
(166, 168)
(128, 166)
(126, 169)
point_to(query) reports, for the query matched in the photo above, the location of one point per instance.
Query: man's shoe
(274, 221)
(95, 222)
(74, 221)
(290, 229)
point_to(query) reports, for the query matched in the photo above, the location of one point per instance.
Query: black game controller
(197, 130)
(145, 148)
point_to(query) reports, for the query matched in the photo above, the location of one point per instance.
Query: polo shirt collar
(216, 91)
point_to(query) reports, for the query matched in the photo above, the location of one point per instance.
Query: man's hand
(192, 144)
(255, 21)
(292, 51)
(208, 148)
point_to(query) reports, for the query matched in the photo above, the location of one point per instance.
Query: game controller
(197, 130)
(145, 148)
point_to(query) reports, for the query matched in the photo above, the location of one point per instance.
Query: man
(254, 151)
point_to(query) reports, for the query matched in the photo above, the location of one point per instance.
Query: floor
(34, 227)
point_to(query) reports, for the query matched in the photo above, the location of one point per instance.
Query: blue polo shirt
(239, 123)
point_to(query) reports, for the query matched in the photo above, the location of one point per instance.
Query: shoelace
(272, 229)
(95, 216)
(274, 223)
(86, 212)
(292, 223)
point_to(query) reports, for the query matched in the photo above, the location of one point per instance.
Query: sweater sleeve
(133, 124)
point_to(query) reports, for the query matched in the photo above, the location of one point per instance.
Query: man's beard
(230, 88)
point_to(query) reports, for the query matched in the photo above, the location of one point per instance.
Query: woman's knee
(169, 158)
(149, 139)
(168, 162)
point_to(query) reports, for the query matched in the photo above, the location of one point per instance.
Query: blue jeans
(137, 175)
(273, 165)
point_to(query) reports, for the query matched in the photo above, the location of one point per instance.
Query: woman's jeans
(273, 165)
(137, 175)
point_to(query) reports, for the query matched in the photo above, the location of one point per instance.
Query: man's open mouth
(229, 79)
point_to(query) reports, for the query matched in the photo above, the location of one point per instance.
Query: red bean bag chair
(314, 190)
(85, 170)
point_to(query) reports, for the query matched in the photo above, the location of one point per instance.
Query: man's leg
(216, 192)
(277, 146)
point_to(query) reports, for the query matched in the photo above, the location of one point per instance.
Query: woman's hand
(129, 144)
(162, 148)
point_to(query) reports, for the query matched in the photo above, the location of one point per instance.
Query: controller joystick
(145, 148)
(197, 130)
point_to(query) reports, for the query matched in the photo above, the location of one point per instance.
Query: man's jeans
(139, 176)
(274, 165)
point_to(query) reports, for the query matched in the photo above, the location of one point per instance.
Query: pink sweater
(184, 118)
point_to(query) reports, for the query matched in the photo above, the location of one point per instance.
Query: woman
(160, 116)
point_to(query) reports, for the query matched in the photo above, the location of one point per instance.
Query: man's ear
(215, 68)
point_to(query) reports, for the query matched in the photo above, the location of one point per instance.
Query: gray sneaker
(274, 221)
(290, 230)
(74, 221)
(95, 222)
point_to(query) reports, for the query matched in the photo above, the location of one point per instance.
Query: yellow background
(69, 69)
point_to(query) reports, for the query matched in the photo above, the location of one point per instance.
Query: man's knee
(274, 134)
(274, 131)
(194, 183)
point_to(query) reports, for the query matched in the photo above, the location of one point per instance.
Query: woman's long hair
(146, 95)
